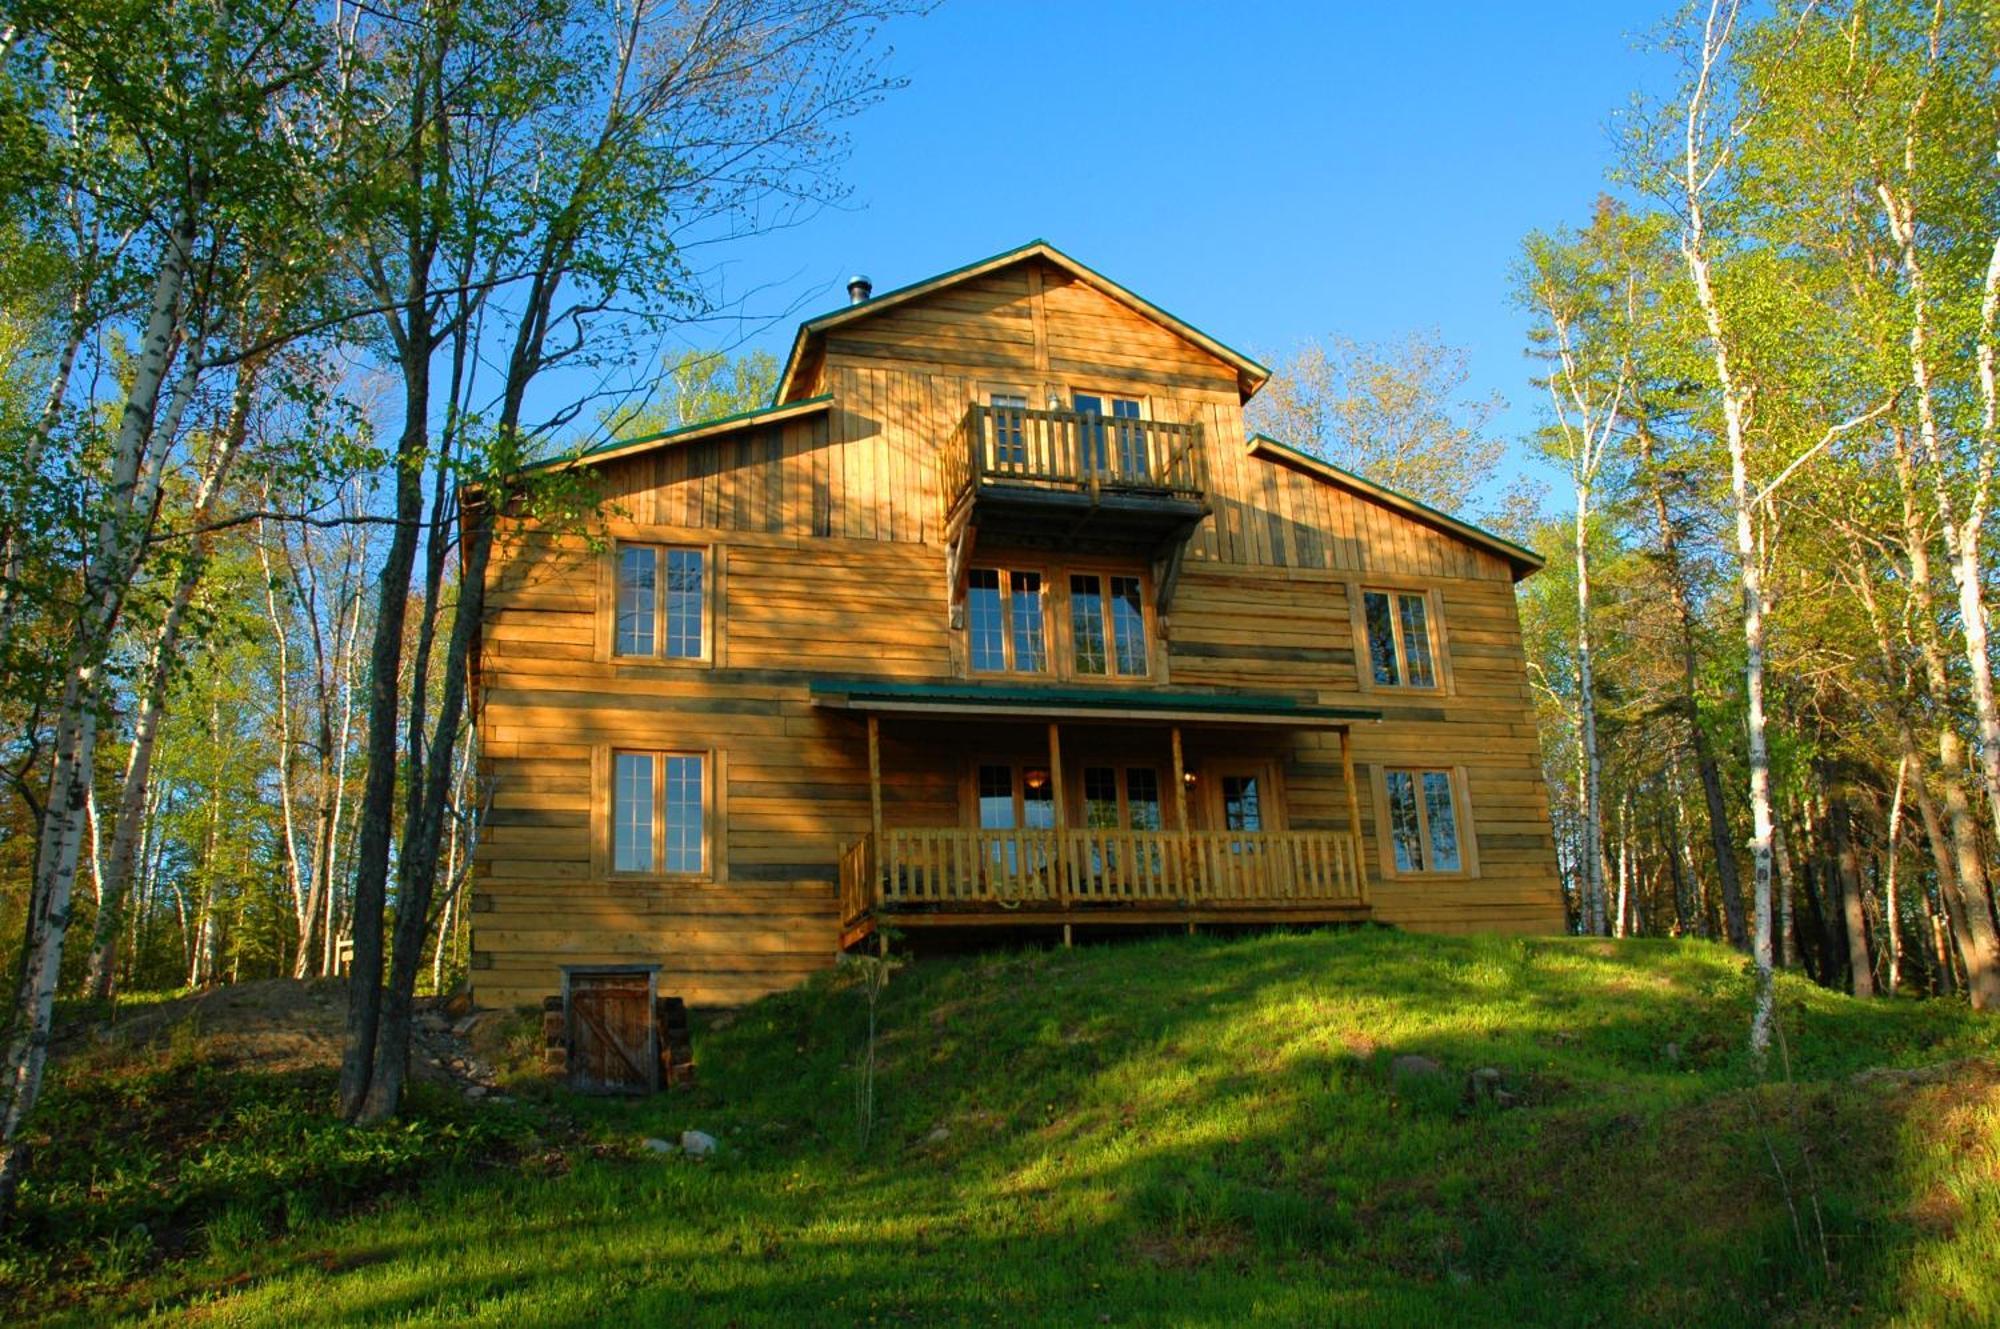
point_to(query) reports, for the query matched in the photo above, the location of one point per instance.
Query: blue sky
(1268, 174)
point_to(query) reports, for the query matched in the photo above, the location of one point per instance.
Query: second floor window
(1399, 639)
(662, 602)
(1006, 621)
(1107, 619)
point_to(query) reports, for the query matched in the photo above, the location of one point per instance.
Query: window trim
(714, 780)
(1072, 390)
(1017, 768)
(1008, 569)
(1121, 769)
(1461, 807)
(1058, 632)
(1364, 674)
(711, 605)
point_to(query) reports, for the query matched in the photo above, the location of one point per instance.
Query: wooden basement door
(612, 1042)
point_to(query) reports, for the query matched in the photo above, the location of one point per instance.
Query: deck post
(1353, 817)
(875, 802)
(1181, 815)
(1061, 864)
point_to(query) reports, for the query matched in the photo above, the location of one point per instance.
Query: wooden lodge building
(993, 618)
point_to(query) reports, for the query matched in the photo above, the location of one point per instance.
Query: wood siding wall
(824, 534)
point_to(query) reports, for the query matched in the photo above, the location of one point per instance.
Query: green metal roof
(814, 323)
(1252, 708)
(619, 445)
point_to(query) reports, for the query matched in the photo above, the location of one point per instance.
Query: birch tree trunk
(1971, 915)
(129, 833)
(1707, 769)
(1586, 708)
(1696, 173)
(134, 481)
(1892, 917)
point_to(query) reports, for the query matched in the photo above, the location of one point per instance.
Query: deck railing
(951, 868)
(1072, 450)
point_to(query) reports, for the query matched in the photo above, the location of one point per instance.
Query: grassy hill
(1186, 1132)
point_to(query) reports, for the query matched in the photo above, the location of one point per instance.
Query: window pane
(996, 798)
(1444, 821)
(1417, 641)
(1242, 809)
(1086, 624)
(1010, 444)
(1100, 797)
(1128, 625)
(987, 632)
(1381, 638)
(1131, 439)
(637, 570)
(1142, 797)
(684, 814)
(684, 604)
(1024, 596)
(1092, 453)
(1038, 800)
(632, 812)
(1403, 832)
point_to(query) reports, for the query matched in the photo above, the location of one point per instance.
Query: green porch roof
(1100, 703)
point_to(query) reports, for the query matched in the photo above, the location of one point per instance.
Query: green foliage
(1198, 1131)
(704, 386)
(172, 1154)
(1395, 412)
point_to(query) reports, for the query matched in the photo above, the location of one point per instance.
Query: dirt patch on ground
(281, 1025)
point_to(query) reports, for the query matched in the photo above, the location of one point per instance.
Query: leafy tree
(1396, 412)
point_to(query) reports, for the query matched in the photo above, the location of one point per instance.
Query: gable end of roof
(1523, 561)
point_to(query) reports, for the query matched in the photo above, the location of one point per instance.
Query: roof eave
(779, 413)
(1525, 562)
(1250, 374)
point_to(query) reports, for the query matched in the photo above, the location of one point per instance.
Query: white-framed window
(660, 602)
(1006, 621)
(659, 813)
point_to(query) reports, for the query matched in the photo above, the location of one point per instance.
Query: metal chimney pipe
(859, 288)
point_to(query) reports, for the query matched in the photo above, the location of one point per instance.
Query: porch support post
(1061, 864)
(1353, 817)
(1180, 783)
(875, 801)
(1188, 853)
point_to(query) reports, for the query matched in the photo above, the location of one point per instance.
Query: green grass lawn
(1176, 1132)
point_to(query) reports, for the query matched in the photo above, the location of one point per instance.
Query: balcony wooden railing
(1070, 450)
(920, 870)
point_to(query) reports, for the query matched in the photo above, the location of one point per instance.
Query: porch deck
(950, 877)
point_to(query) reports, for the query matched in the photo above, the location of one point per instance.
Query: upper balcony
(1074, 479)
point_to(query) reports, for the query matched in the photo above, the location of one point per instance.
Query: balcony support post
(1353, 816)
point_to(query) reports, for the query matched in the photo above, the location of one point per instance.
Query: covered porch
(1168, 808)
